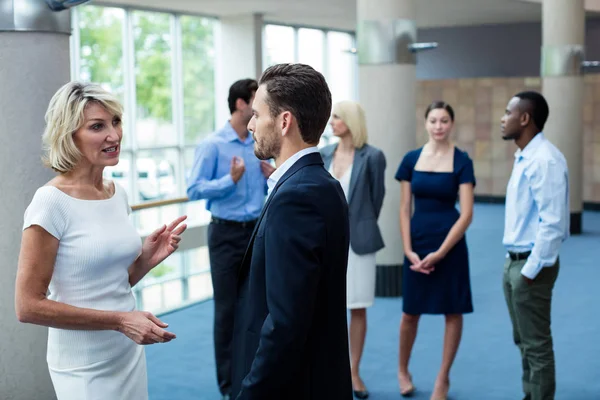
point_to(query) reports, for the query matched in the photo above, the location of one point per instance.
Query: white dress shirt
(537, 205)
(281, 170)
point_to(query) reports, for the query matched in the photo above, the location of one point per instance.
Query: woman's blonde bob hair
(65, 117)
(353, 116)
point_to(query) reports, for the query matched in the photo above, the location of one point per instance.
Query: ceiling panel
(341, 14)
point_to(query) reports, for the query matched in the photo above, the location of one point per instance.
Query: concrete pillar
(34, 63)
(239, 56)
(563, 40)
(387, 91)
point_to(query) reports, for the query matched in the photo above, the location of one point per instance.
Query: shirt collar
(281, 170)
(231, 135)
(531, 146)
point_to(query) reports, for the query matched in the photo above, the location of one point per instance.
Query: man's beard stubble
(511, 136)
(269, 146)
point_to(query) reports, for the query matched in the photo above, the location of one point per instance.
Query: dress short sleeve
(466, 173)
(46, 210)
(405, 170)
(120, 191)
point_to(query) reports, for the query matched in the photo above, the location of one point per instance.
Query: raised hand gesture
(163, 242)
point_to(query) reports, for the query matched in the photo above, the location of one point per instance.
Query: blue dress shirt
(537, 205)
(210, 178)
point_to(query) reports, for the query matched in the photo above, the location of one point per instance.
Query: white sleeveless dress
(97, 244)
(360, 279)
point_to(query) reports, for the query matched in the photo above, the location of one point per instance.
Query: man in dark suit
(291, 340)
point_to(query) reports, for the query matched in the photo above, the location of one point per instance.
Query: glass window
(154, 112)
(166, 270)
(195, 210)
(157, 174)
(279, 45)
(101, 47)
(151, 298)
(342, 66)
(189, 157)
(310, 48)
(101, 32)
(173, 293)
(121, 174)
(149, 219)
(198, 53)
(168, 63)
(329, 53)
(200, 286)
(198, 260)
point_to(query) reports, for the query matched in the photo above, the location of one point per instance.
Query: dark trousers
(226, 248)
(529, 309)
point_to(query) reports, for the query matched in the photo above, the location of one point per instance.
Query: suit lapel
(358, 165)
(328, 155)
(242, 270)
(309, 159)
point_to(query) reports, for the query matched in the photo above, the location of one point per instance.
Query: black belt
(519, 256)
(241, 224)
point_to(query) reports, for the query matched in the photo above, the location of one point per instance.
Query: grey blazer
(365, 196)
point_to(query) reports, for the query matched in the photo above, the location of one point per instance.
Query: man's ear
(286, 120)
(240, 104)
(525, 119)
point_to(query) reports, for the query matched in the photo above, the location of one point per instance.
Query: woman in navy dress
(436, 263)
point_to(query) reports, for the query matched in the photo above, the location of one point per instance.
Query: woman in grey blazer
(360, 169)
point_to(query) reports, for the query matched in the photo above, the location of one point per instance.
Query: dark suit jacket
(365, 198)
(291, 335)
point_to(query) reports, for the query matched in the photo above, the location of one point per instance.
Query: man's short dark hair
(243, 89)
(303, 91)
(536, 106)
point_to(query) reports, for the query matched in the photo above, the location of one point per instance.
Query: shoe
(409, 390)
(361, 394)
(445, 396)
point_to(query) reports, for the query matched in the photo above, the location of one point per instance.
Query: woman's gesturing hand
(163, 242)
(144, 328)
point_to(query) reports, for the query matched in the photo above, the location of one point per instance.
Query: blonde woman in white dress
(81, 255)
(360, 170)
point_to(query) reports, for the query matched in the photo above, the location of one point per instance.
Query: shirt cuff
(531, 270)
(228, 180)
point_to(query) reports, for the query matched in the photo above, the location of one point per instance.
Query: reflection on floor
(487, 366)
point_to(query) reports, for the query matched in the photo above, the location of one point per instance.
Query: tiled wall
(479, 104)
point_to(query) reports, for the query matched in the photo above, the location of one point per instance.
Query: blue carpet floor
(488, 364)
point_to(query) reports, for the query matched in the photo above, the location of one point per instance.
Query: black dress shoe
(361, 394)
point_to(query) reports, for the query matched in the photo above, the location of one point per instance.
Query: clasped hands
(427, 264)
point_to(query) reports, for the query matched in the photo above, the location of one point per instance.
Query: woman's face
(439, 124)
(339, 127)
(99, 139)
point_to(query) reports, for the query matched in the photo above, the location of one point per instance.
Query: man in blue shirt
(227, 174)
(536, 223)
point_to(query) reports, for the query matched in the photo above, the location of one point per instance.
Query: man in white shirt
(536, 224)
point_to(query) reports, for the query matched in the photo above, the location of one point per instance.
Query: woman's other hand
(144, 328)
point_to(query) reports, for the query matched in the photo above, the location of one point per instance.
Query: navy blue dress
(447, 290)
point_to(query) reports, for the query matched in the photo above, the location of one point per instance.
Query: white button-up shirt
(281, 170)
(537, 205)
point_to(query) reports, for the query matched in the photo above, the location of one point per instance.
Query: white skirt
(121, 378)
(360, 280)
